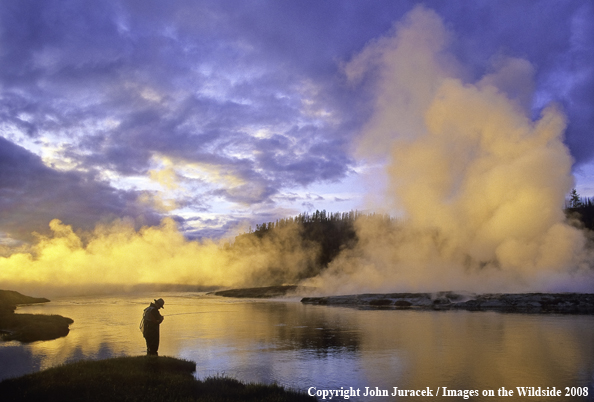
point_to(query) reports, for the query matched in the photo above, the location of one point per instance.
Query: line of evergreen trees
(323, 218)
(326, 232)
(329, 233)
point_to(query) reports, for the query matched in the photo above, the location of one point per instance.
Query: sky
(224, 114)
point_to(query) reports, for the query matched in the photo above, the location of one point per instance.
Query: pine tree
(574, 199)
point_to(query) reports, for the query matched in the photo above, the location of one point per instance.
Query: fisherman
(151, 319)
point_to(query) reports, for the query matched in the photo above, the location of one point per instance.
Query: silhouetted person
(151, 319)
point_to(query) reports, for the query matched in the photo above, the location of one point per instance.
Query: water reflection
(326, 347)
(312, 330)
(17, 361)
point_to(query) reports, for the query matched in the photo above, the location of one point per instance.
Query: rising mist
(117, 257)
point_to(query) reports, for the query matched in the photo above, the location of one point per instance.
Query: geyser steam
(480, 184)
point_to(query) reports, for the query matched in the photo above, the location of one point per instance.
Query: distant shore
(538, 303)
(28, 327)
(263, 292)
(141, 378)
(534, 303)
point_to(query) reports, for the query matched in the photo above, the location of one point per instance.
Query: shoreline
(138, 378)
(528, 303)
(265, 292)
(533, 303)
(29, 327)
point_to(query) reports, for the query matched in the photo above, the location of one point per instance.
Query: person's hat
(160, 303)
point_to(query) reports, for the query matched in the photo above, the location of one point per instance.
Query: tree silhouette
(574, 199)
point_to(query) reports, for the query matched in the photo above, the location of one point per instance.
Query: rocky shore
(559, 303)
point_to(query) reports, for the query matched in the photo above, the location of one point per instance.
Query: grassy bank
(140, 378)
(28, 327)
(33, 327)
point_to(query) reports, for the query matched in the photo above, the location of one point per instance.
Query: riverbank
(537, 303)
(28, 327)
(142, 378)
(12, 298)
(266, 292)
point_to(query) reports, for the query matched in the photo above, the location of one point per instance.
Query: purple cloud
(252, 91)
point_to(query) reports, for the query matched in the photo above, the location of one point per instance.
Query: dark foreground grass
(143, 378)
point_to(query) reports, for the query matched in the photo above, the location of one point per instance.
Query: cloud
(120, 84)
(572, 81)
(253, 91)
(32, 194)
(255, 106)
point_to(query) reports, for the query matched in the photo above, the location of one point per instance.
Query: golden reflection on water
(303, 346)
(481, 350)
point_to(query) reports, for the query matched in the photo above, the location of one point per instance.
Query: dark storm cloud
(572, 78)
(32, 194)
(121, 83)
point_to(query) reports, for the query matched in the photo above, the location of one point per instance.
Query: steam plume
(480, 184)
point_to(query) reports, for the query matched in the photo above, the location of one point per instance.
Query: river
(305, 346)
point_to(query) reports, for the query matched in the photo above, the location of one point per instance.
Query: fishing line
(198, 312)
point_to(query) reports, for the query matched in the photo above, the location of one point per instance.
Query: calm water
(325, 347)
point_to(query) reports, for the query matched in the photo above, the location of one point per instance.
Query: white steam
(480, 184)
